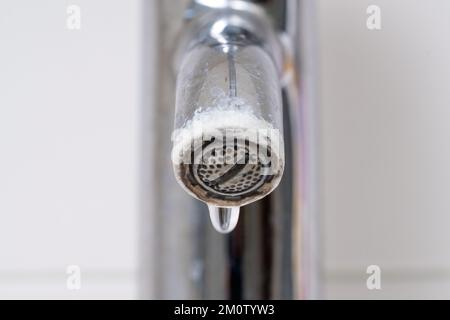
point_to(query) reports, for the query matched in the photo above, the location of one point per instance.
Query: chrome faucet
(242, 72)
(228, 139)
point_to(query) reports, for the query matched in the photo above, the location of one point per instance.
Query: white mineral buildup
(226, 156)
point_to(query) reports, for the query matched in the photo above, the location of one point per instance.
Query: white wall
(385, 132)
(69, 148)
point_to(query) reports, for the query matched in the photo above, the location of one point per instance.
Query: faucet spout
(228, 147)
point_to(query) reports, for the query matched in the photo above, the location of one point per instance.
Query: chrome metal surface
(273, 251)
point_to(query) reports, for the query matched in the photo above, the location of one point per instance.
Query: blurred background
(76, 123)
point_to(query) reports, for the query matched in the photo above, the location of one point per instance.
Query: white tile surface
(69, 141)
(385, 134)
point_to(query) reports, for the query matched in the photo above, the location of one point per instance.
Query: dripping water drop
(224, 219)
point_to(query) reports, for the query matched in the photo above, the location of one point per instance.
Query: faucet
(243, 143)
(228, 147)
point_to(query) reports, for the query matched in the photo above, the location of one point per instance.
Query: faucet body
(228, 141)
(272, 252)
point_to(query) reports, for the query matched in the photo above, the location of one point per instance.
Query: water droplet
(223, 219)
